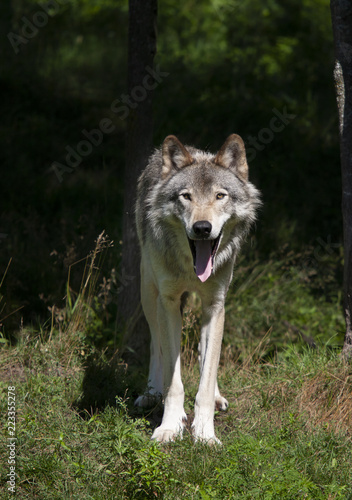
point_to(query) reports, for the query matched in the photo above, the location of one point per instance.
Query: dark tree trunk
(141, 52)
(6, 51)
(341, 13)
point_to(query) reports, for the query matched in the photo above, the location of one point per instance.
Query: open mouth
(203, 252)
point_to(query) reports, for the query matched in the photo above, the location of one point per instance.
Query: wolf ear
(232, 155)
(175, 156)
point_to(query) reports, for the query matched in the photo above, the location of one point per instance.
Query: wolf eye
(220, 196)
(186, 196)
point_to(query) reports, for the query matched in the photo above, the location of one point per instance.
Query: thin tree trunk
(341, 13)
(6, 50)
(141, 52)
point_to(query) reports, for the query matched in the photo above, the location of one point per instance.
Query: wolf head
(211, 196)
(207, 199)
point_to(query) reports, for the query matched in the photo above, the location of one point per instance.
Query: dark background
(230, 65)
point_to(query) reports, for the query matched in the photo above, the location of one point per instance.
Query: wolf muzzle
(203, 249)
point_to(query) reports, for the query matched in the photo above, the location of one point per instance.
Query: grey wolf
(193, 211)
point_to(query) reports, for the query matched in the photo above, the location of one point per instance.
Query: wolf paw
(211, 441)
(221, 403)
(170, 428)
(203, 431)
(166, 435)
(205, 437)
(147, 400)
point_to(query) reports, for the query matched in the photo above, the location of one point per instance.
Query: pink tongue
(203, 259)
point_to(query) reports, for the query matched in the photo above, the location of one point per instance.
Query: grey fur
(157, 201)
(193, 211)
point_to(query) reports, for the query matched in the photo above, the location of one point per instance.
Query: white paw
(147, 400)
(170, 429)
(206, 437)
(164, 435)
(211, 441)
(203, 431)
(221, 403)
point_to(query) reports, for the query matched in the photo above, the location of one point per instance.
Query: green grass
(286, 434)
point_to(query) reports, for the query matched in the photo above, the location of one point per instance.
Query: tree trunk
(141, 52)
(6, 51)
(341, 13)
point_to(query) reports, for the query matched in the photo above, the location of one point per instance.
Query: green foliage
(291, 298)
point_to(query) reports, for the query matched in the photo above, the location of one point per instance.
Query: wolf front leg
(170, 325)
(208, 392)
(149, 297)
(221, 403)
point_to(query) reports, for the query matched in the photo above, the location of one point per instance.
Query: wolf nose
(202, 228)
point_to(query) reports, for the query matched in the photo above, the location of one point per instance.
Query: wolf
(193, 212)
